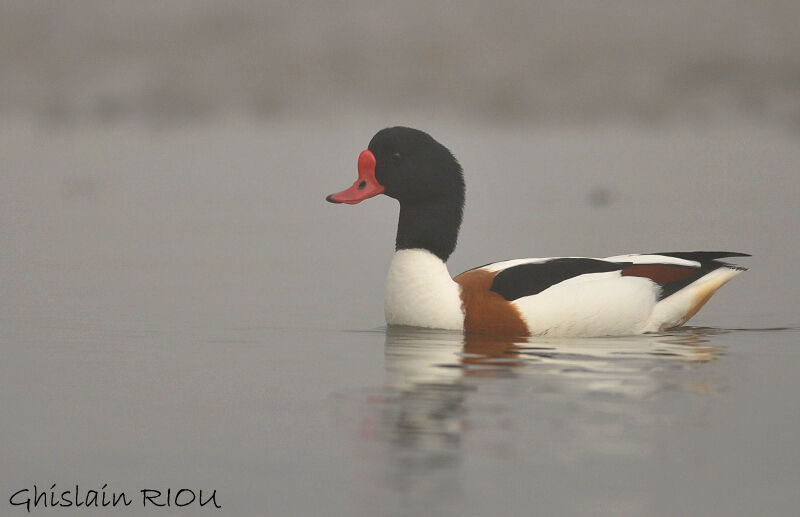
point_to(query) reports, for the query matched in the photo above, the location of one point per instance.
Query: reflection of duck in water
(454, 407)
(424, 403)
(434, 377)
(572, 296)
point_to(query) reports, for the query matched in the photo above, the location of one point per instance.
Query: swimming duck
(566, 296)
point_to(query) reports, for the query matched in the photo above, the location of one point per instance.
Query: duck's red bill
(365, 187)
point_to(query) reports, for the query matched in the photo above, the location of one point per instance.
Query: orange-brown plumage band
(485, 311)
(659, 273)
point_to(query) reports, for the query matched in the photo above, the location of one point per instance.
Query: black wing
(701, 256)
(529, 279)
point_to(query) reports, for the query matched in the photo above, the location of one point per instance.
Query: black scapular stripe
(529, 279)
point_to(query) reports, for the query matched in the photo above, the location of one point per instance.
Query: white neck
(421, 293)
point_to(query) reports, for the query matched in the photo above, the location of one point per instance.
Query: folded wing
(621, 294)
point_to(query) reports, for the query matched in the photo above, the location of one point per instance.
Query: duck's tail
(677, 308)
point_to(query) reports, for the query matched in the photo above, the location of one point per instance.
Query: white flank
(633, 258)
(672, 310)
(596, 304)
(421, 293)
(505, 264)
(652, 259)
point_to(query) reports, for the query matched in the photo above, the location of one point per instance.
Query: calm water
(181, 309)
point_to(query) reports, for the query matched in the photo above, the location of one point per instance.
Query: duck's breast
(421, 293)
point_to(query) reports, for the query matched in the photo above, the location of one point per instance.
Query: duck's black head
(423, 175)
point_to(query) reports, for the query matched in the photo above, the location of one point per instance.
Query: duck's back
(578, 296)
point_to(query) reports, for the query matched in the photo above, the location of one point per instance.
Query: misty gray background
(531, 62)
(181, 308)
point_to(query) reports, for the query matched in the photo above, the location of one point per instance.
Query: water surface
(181, 308)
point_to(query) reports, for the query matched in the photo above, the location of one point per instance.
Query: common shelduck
(570, 296)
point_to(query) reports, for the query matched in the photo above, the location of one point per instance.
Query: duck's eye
(397, 157)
